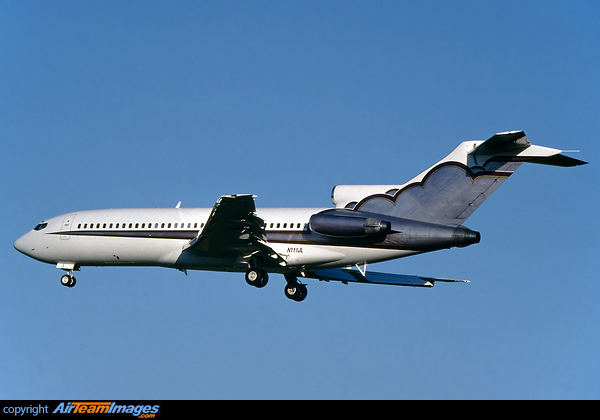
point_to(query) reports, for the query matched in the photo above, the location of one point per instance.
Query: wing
(234, 229)
(346, 275)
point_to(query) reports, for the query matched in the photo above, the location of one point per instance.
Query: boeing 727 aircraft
(370, 223)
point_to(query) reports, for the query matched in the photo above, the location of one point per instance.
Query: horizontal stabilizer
(513, 146)
(346, 275)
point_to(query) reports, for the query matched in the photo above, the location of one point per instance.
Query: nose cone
(24, 244)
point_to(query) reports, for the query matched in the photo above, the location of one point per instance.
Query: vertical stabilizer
(452, 189)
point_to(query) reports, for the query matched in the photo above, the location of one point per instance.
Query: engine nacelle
(405, 233)
(348, 224)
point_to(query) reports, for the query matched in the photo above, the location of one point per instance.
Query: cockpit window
(40, 226)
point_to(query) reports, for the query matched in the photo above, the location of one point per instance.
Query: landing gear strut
(257, 277)
(294, 290)
(68, 280)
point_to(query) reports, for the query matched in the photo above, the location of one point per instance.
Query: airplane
(369, 224)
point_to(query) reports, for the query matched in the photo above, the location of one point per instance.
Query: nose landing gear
(68, 280)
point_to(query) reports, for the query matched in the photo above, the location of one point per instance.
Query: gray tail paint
(452, 189)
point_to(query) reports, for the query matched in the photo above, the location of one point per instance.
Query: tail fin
(452, 189)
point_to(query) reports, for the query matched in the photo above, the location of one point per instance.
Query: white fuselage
(157, 237)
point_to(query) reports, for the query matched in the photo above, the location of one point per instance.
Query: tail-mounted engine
(348, 224)
(406, 233)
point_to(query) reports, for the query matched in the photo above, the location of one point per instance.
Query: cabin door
(67, 225)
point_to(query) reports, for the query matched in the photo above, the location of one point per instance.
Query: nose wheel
(68, 280)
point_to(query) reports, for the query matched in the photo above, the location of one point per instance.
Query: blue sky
(143, 104)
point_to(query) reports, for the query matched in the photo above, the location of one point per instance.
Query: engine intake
(348, 224)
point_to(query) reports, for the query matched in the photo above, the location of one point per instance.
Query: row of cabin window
(168, 225)
(137, 225)
(285, 225)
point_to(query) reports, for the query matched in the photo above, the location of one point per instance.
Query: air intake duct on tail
(348, 224)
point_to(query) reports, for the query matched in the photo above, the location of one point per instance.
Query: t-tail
(451, 190)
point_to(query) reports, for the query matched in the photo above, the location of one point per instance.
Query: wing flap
(346, 275)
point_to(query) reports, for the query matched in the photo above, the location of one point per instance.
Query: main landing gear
(68, 280)
(293, 290)
(257, 277)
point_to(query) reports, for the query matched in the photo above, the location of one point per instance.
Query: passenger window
(104, 226)
(175, 226)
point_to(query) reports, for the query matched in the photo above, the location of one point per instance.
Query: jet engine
(406, 233)
(348, 224)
